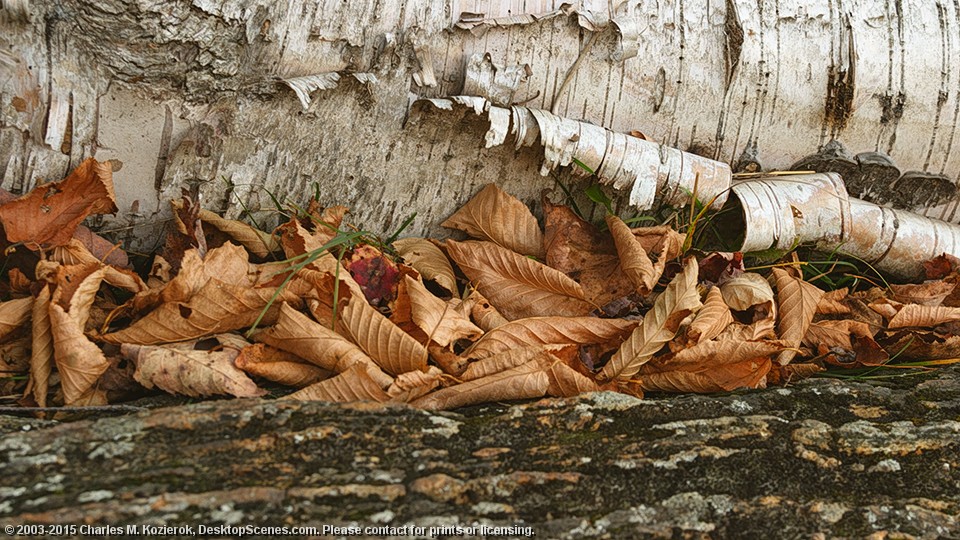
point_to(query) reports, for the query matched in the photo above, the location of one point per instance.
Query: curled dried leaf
(183, 370)
(747, 290)
(712, 318)
(494, 215)
(659, 326)
(429, 260)
(798, 304)
(261, 360)
(529, 380)
(916, 315)
(437, 319)
(14, 314)
(258, 242)
(517, 286)
(634, 261)
(41, 350)
(354, 384)
(390, 347)
(551, 331)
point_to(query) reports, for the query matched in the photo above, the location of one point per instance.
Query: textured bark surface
(187, 91)
(823, 456)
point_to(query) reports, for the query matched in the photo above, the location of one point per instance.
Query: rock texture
(822, 458)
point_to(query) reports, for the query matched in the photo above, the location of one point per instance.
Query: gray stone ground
(821, 458)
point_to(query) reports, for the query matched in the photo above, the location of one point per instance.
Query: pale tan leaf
(483, 314)
(832, 334)
(352, 385)
(449, 361)
(414, 384)
(567, 382)
(503, 361)
(764, 328)
(41, 351)
(929, 293)
(14, 314)
(79, 362)
(709, 354)
(390, 347)
(262, 360)
(919, 315)
(429, 260)
(296, 333)
(746, 374)
(194, 373)
(15, 355)
(888, 309)
(217, 307)
(529, 380)
(712, 318)
(517, 286)
(633, 259)
(745, 291)
(160, 273)
(662, 240)
(80, 301)
(798, 304)
(551, 331)
(494, 215)
(831, 303)
(659, 326)
(436, 318)
(783, 375)
(254, 240)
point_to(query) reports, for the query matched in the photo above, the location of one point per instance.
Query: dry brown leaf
(390, 347)
(296, 333)
(798, 304)
(723, 378)
(708, 355)
(483, 314)
(443, 324)
(76, 251)
(79, 362)
(712, 318)
(494, 215)
(762, 329)
(885, 307)
(216, 307)
(659, 326)
(661, 243)
(784, 375)
(747, 290)
(262, 360)
(915, 315)
(503, 361)
(923, 347)
(450, 362)
(576, 248)
(633, 259)
(429, 260)
(517, 286)
(831, 303)
(567, 382)
(529, 380)
(41, 351)
(930, 293)
(295, 239)
(830, 334)
(100, 248)
(258, 242)
(185, 230)
(14, 314)
(354, 384)
(50, 213)
(414, 384)
(551, 331)
(194, 373)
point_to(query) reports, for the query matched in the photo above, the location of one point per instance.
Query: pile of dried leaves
(517, 312)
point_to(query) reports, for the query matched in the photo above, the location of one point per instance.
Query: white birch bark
(186, 91)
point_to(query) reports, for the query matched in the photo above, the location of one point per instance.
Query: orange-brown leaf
(529, 380)
(196, 373)
(798, 304)
(254, 240)
(745, 291)
(50, 213)
(567, 382)
(414, 384)
(712, 318)
(517, 286)
(14, 314)
(296, 333)
(660, 325)
(633, 259)
(930, 293)
(920, 315)
(41, 351)
(830, 334)
(427, 259)
(79, 362)
(551, 331)
(437, 318)
(494, 215)
(390, 347)
(723, 378)
(831, 303)
(483, 313)
(354, 384)
(503, 361)
(262, 360)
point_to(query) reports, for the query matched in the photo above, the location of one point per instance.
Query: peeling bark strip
(771, 81)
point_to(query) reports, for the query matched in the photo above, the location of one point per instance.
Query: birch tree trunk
(183, 91)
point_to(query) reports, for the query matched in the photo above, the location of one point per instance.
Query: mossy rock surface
(830, 457)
